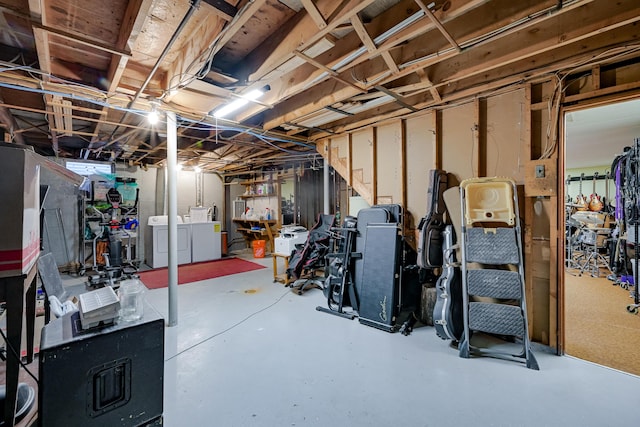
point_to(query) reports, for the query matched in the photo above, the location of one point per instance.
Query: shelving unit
(95, 222)
(262, 191)
(257, 229)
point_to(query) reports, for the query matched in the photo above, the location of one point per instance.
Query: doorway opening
(597, 288)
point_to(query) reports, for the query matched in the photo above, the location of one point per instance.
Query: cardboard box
(20, 198)
(20, 215)
(37, 332)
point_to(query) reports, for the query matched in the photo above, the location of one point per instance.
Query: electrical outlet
(539, 171)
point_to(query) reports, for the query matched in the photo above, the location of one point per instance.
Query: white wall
(587, 185)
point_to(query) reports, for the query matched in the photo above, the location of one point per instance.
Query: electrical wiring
(249, 131)
(559, 89)
(229, 328)
(17, 356)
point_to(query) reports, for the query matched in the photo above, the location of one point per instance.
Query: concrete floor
(248, 352)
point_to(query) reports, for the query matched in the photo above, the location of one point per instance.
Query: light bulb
(153, 117)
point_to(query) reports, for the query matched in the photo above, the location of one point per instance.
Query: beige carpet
(598, 327)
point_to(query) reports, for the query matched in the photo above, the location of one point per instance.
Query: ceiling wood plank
(41, 38)
(425, 78)
(79, 38)
(438, 24)
(399, 99)
(358, 26)
(314, 13)
(370, 45)
(132, 22)
(332, 73)
(539, 37)
(223, 9)
(422, 26)
(244, 15)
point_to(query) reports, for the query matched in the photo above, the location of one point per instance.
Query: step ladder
(493, 288)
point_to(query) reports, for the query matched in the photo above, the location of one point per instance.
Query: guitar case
(365, 216)
(431, 226)
(447, 312)
(380, 287)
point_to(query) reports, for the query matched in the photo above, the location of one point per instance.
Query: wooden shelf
(253, 196)
(258, 181)
(267, 231)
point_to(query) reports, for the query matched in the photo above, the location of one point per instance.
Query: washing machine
(157, 241)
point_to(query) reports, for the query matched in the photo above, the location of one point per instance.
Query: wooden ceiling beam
(398, 98)
(500, 45)
(297, 81)
(328, 70)
(223, 9)
(294, 82)
(370, 45)
(314, 13)
(423, 27)
(438, 24)
(425, 78)
(232, 29)
(132, 22)
(305, 29)
(587, 20)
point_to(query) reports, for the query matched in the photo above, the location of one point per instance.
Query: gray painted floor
(268, 358)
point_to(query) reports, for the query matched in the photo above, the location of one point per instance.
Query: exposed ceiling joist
(332, 66)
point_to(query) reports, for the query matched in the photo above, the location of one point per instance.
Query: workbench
(257, 229)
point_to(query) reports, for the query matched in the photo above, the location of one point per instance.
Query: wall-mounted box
(541, 178)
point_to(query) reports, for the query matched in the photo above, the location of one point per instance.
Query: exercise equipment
(339, 287)
(310, 257)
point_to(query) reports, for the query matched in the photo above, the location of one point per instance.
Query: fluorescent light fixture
(87, 168)
(240, 102)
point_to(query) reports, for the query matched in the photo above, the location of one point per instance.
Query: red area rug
(154, 279)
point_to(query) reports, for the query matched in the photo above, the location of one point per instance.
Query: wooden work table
(257, 229)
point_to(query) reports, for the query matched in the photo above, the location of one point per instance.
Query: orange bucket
(259, 248)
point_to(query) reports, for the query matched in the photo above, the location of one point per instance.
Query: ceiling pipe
(192, 8)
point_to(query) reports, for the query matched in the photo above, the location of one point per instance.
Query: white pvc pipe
(326, 187)
(172, 204)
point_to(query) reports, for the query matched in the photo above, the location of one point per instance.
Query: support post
(172, 204)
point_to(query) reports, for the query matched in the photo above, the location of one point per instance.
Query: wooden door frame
(564, 110)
